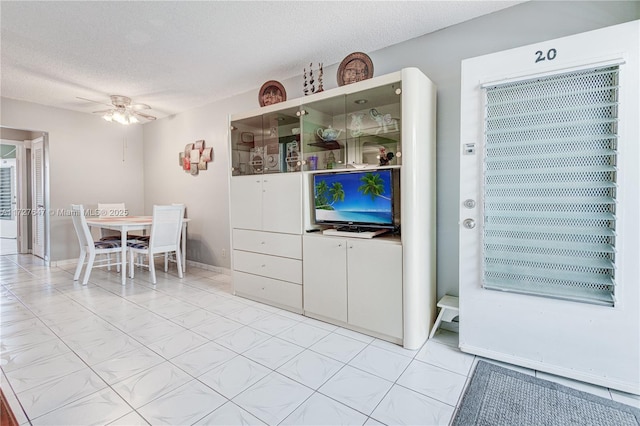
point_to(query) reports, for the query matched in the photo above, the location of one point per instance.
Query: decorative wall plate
(272, 92)
(355, 67)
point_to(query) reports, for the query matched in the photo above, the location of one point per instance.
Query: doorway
(24, 193)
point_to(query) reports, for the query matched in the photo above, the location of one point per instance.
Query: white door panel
(558, 235)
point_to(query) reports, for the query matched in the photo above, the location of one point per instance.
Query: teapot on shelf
(328, 134)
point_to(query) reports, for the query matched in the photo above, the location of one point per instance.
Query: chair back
(166, 228)
(82, 229)
(111, 210)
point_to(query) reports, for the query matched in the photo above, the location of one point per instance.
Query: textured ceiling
(178, 55)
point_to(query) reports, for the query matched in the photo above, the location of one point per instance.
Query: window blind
(550, 186)
(6, 193)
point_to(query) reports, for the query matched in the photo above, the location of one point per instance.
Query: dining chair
(166, 228)
(92, 247)
(170, 257)
(106, 210)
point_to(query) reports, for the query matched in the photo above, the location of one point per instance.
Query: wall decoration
(272, 92)
(355, 67)
(310, 84)
(195, 157)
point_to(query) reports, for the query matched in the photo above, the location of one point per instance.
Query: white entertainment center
(382, 281)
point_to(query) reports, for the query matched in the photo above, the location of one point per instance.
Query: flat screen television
(354, 199)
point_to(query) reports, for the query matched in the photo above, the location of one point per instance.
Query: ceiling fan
(122, 110)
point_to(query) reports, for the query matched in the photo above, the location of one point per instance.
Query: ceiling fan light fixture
(108, 116)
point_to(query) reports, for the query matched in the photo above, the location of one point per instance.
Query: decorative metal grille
(550, 186)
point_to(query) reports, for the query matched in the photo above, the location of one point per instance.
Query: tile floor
(189, 352)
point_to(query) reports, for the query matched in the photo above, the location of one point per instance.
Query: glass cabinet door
(281, 136)
(373, 126)
(268, 143)
(247, 149)
(324, 134)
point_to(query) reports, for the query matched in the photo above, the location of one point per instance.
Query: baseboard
(628, 387)
(217, 269)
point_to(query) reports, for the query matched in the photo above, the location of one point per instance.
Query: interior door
(8, 223)
(549, 207)
(38, 198)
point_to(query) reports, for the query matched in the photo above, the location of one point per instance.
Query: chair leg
(179, 262)
(131, 265)
(152, 268)
(92, 258)
(118, 262)
(166, 261)
(83, 255)
(108, 261)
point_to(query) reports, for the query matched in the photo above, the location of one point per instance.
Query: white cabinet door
(246, 202)
(375, 286)
(325, 277)
(282, 203)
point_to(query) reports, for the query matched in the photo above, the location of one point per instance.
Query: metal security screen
(6, 193)
(550, 186)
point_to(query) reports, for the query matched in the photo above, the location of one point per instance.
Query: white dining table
(126, 224)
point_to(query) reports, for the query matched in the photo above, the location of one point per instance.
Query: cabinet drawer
(280, 268)
(268, 290)
(284, 245)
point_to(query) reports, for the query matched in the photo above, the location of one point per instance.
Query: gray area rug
(498, 396)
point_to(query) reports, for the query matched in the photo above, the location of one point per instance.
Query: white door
(549, 234)
(38, 197)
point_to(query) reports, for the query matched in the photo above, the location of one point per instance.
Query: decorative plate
(271, 93)
(355, 67)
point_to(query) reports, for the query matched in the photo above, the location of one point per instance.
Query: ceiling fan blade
(147, 116)
(101, 111)
(140, 106)
(96, 102)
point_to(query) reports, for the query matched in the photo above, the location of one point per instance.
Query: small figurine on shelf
(330, 160)
(309, 85)
(385, 156)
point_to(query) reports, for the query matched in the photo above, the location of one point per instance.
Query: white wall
(438, 55)
(90, 161)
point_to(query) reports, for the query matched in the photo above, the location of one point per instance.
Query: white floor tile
(102, 408)
(234, 376)
(198, 361)
(229, 414)
(150, 384)
(33, 354)
(216, 328)
(357, 389)
(99, 322)
(61, 391)
(41, 372)
(182, 406)
(131, 419)
(381, 362)
(338, 347)
(273, 352)
(404, 407)
(177, 344)
(273, 398)
(311, 368)
(242, 339)
(274, 324)
(320, 410)
(126, 365)
(303, 334)
(435, 382)
(445, 356)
